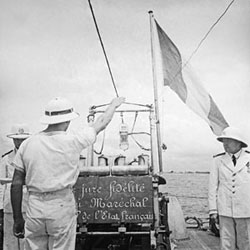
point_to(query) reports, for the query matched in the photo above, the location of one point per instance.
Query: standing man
(19, 133)
(229, 191)
(48, 163)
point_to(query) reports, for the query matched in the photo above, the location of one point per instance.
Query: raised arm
(103, 120)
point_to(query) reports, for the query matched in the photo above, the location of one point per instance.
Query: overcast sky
(50, 48)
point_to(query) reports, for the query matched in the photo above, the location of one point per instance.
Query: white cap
(58, 110)
(19, 131)
(232, 133)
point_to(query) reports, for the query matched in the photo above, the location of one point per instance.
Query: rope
(140, 145)
(131, 133)
(105, 55)
(194, 222)
(206, 35)
(202, 40)
(138, 104)
(136, 114)
(129, 103)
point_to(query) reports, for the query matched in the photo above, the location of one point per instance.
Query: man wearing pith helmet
(48, 163)
(229, 191)
(19, 133)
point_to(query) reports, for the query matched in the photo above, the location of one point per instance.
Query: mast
(158, 132)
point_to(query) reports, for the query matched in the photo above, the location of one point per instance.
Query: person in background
(19, 132)
(48, 163)
(229, 191)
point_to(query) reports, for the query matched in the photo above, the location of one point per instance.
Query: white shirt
(7, 171)
(51, 160)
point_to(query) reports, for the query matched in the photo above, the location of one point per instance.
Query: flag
(191, 92)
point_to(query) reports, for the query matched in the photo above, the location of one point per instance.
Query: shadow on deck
(198, 240)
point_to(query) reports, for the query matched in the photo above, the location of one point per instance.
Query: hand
(214, 218)
(116, 102)
(18, 228)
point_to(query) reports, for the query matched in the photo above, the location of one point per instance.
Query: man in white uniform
(229, 191)
(48, 163)
(19, 132)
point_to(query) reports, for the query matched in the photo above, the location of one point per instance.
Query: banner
(191, 92)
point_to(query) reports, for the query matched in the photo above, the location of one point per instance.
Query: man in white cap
(19, 132)
(229, 191)
(48, 163)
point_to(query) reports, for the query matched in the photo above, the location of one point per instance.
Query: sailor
(19, 132)
(229, 191)
(48, 163)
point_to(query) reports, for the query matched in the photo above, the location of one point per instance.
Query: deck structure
(198, 240)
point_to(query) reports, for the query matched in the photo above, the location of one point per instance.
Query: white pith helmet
(232, 133)
(19, 131)
(58, 110)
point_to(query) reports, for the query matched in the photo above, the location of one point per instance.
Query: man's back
(50, 160)
(48, 164)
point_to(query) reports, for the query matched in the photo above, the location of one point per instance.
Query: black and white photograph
(125, 125)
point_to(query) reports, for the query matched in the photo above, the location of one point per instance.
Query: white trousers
(234, 233)
(51, 221)
(10, 242)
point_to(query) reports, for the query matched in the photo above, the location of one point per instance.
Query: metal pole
(90, 150)
(158, 133)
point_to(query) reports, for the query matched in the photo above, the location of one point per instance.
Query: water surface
(191, 189)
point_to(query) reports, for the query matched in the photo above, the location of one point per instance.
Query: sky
(51, 48)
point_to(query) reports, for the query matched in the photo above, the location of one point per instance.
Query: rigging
(100, 38)
(206, 35)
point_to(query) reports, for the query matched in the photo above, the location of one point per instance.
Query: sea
(191, 190)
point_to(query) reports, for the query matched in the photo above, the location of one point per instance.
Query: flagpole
(158, 132)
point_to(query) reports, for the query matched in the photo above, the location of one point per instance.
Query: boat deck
(198, 240)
